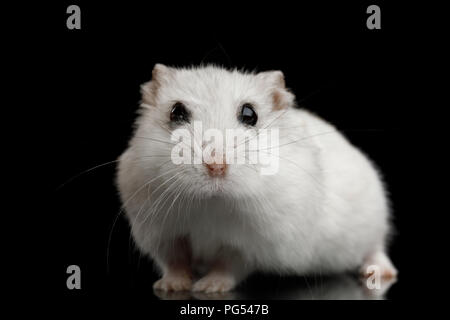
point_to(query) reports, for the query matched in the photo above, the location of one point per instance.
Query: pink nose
(216, 169)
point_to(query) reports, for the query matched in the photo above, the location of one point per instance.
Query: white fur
(325, 211)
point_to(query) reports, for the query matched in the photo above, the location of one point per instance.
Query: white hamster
(324, 210)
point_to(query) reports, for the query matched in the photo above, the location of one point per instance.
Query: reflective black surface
(339, 287)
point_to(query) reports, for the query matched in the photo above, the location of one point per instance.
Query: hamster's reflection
(342, 287)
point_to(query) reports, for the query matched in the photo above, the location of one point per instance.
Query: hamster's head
(204, 127)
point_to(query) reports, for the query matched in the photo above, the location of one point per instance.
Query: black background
(85, 88)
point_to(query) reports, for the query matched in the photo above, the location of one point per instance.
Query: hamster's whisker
(129, 240)
(295, 141)
(161, 201)
(181, 191)
(318, 184)
(182, 200)
(277, 118)
(85, 171)
(170, 133)
(156, 156)
(265, 127)
(191, 201)
(145, 203)
(94, 168)
(248, 165)
(300, 167)
(310, 136)
(196, 146)
(122, 208)
(139, 212)
(176, 190)
(161, 196)
(159, 187)
(256, 205)
(191, 132)
(149, 195)
(157, 140)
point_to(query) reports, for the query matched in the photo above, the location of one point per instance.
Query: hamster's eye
(248, 115)
(179, 113)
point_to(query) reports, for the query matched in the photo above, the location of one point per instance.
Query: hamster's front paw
(215, 282)
(173, 283)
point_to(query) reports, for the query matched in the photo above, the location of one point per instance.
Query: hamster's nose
(216, 169)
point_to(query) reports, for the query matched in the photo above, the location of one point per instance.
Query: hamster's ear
(160, 71)
(272, 78)
(149, 90)
(282, 98)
